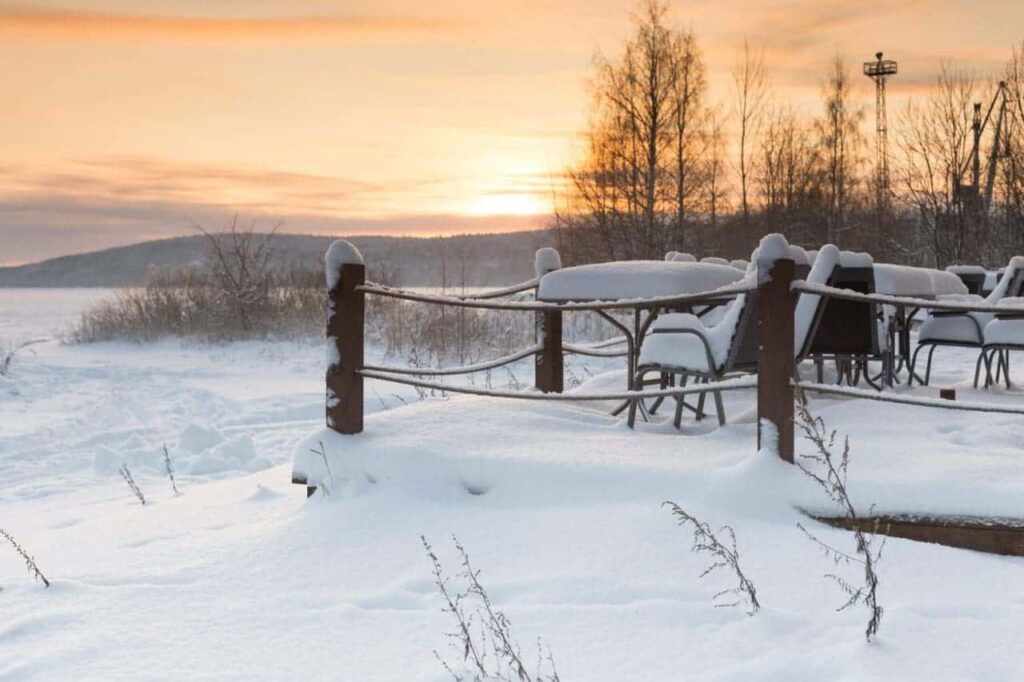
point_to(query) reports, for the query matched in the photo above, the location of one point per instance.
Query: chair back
(848, 327)
(743, 351)
(1016, 286)
(974, 281)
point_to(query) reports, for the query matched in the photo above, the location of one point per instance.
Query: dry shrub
(237, 295)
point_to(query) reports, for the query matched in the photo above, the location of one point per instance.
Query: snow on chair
(967, 330)
(680, 344)
(1003, 334)
(684, 345)
(810, 307)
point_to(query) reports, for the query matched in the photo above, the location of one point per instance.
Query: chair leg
(864, 369)
(720, 408)
(913, 365)
(678, 418)
(666, 381)
(633, 403)
(1005, 359)
(983, 357)
(928, 369)
(700, 400)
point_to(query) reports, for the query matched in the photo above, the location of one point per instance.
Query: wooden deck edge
(993, 536)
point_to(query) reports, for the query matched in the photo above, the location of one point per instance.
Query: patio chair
(851, 333)
(966, 330)
(681, 345)
(1003, 334)
(973, 277)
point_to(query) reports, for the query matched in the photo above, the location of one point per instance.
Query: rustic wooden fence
(347, 368)
(776, 379)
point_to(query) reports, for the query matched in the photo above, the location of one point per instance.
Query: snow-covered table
(628, 280)
(912, 282)
(634, 279)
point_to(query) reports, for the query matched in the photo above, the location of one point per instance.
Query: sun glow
(508, 203)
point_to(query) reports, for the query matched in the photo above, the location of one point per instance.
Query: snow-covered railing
(939, 403)
(465, 369)
(946, 305)
(593, 351)
(720, 293)
(347, 294)
(741, 383)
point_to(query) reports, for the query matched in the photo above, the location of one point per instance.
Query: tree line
(659, 171)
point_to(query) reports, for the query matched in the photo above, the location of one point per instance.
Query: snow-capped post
(548, 363)
(775, 309)
(346, 306)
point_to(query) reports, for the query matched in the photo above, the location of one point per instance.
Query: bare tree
(935, 144)
(642, 174)
(239, 261)
(749, 101)
(842, 144)
(690, 119)
(789, 175)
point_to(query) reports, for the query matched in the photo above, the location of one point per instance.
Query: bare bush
(126, 474)
(483, 635)
(8, 351)
(723, 555)
(830, 474)
(30, 562)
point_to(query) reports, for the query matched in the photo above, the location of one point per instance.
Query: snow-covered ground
(240, 577)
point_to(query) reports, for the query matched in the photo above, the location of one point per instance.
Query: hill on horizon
(471, 259)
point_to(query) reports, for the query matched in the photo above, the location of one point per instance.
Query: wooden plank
(1004, 537)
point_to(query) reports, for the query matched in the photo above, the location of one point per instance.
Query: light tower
(878, 71)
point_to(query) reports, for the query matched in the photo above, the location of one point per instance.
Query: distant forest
(660, 172)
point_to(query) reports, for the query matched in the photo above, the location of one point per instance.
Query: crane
(974, 196)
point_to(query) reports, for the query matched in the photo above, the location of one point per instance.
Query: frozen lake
(43, 313)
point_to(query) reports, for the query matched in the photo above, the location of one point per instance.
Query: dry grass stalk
(829, 472)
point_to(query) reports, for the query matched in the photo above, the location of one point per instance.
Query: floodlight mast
(879, 71)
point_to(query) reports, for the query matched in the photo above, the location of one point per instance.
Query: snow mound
(340, 252)
(546, 260)
(773, 247)
(714, 260)
(196, 438)
(966, 269)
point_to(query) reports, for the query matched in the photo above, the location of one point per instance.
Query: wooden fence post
(548, 363)
(775, 364)
(346, 309)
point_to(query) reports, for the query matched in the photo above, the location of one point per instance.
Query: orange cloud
(30, 23)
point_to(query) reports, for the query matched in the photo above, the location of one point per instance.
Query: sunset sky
(126, 120)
